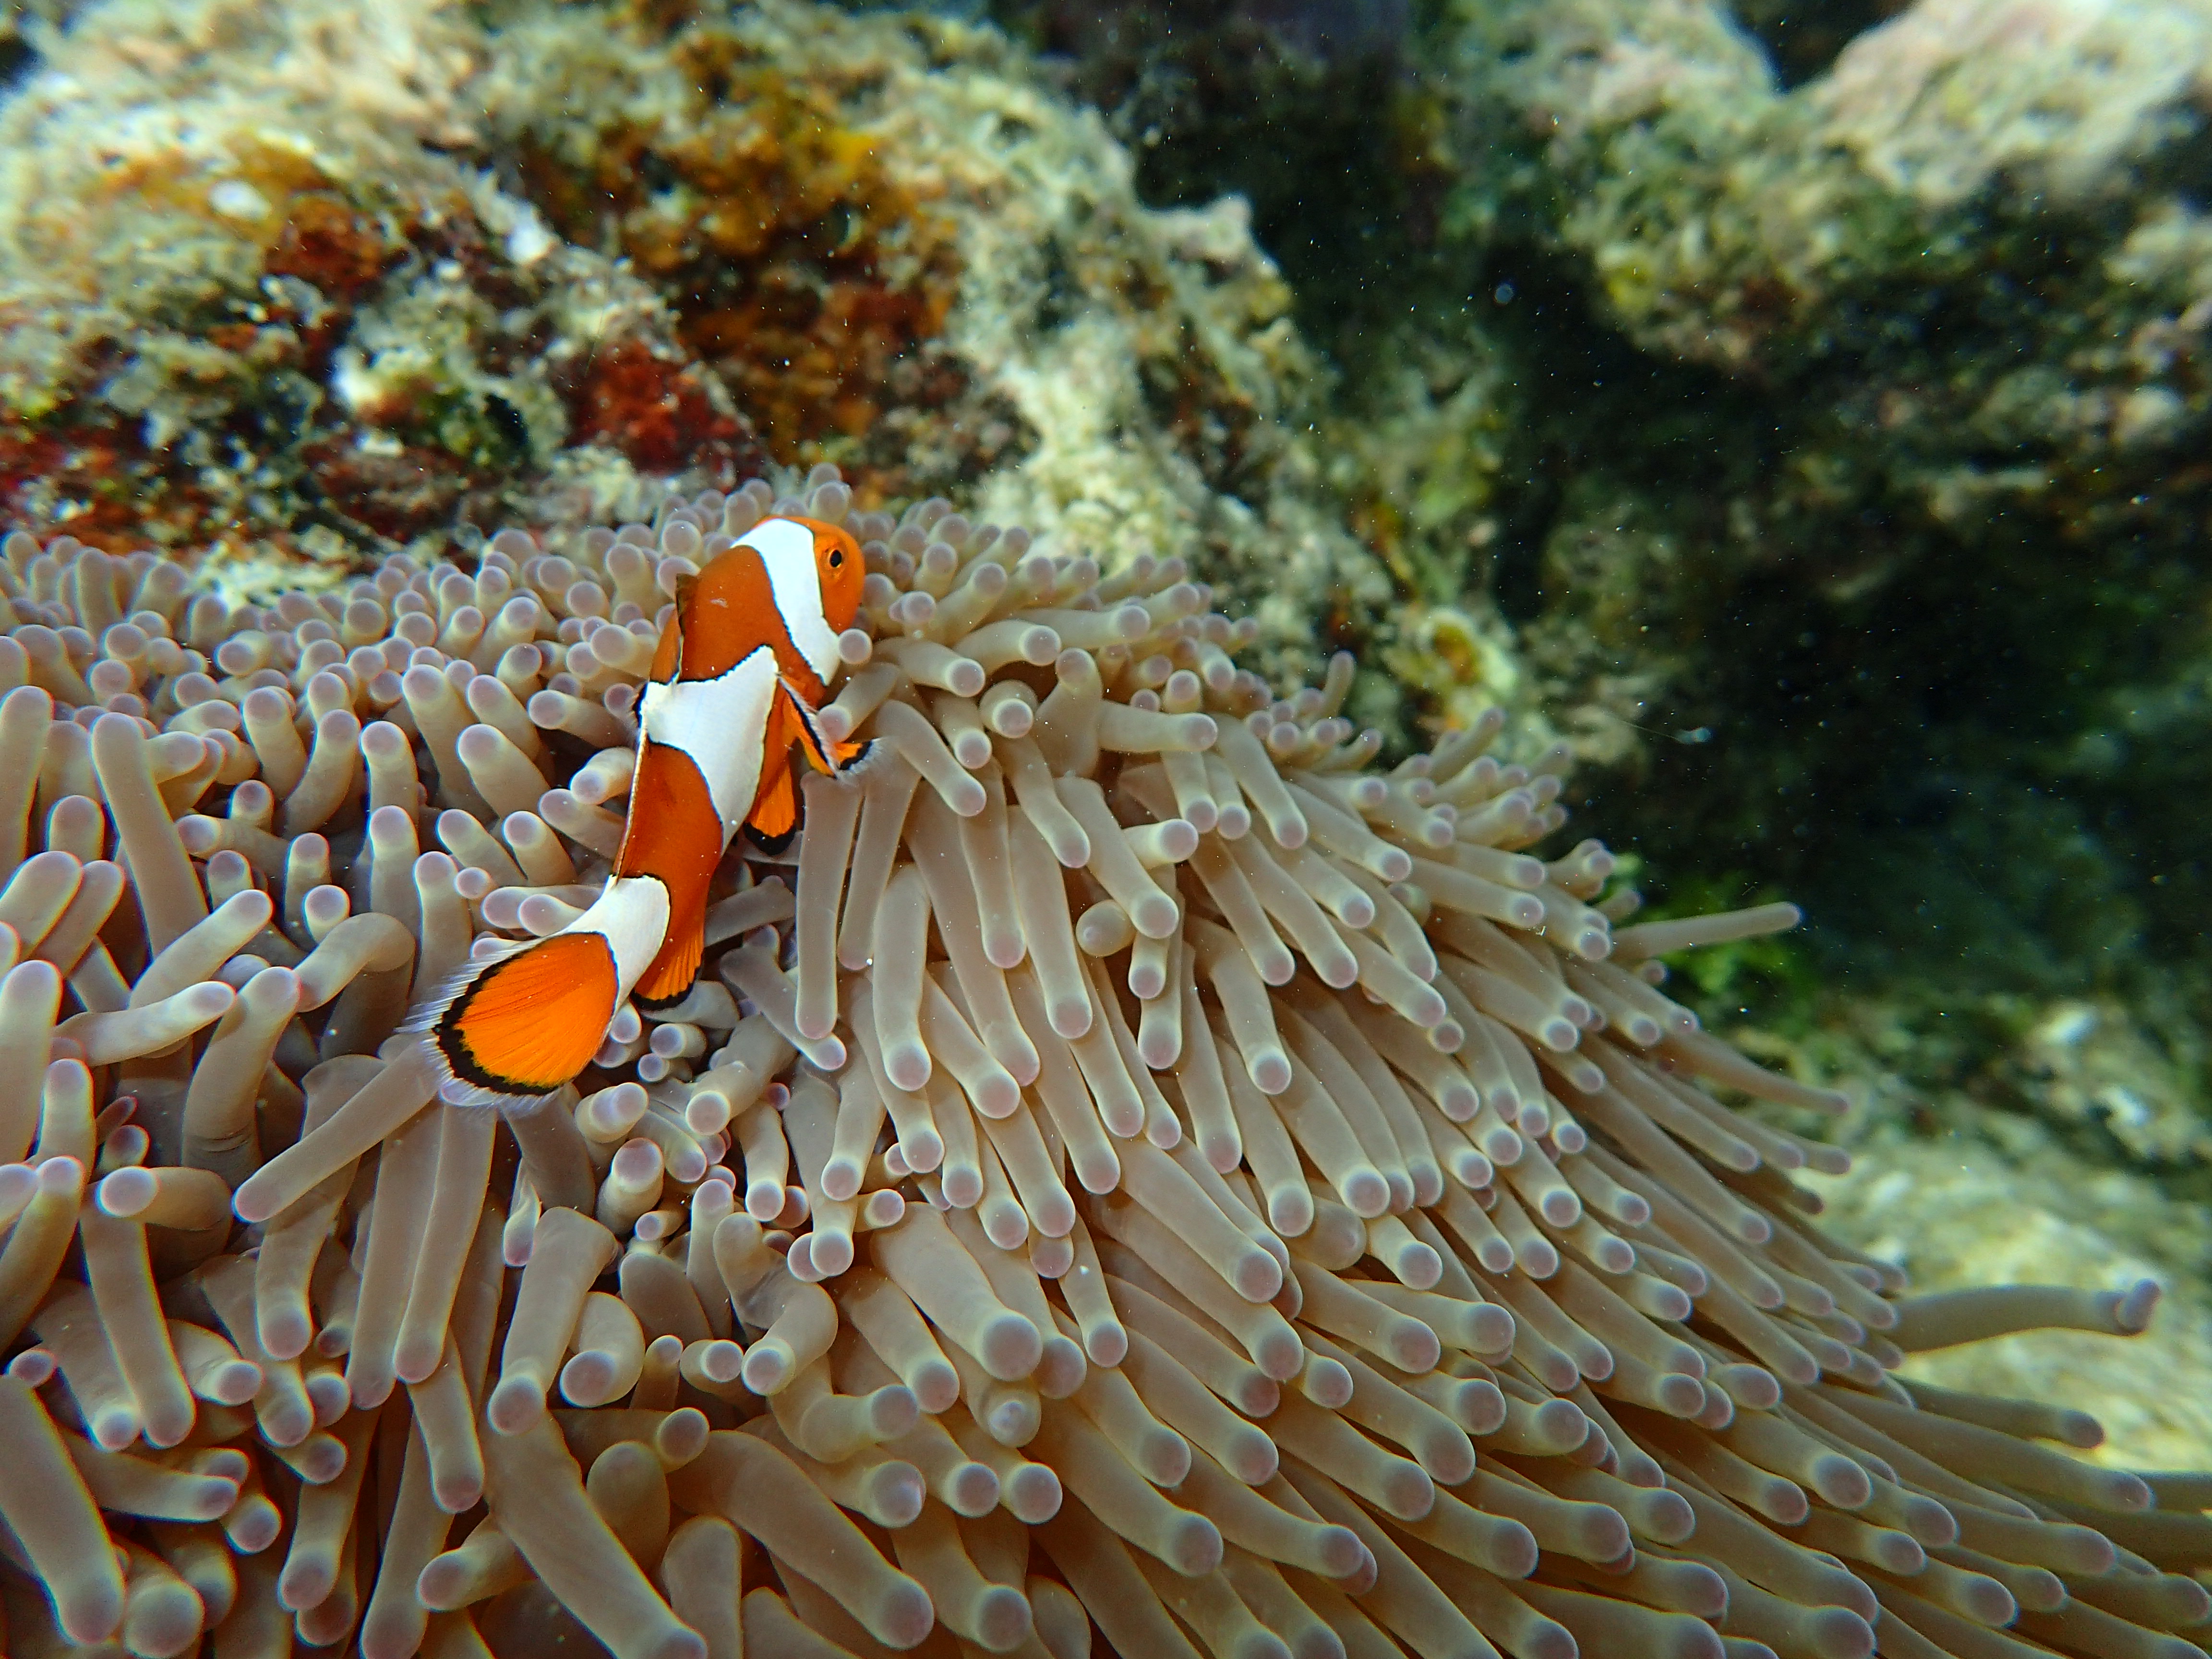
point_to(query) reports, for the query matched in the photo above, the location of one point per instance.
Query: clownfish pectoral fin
(774, 816)
(821, 754)
(514, 1027)
(673, 972)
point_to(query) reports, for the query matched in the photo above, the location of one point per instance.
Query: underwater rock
(257, 295)
(915, 262)
(1776, 381)
(283, 284)
(1956, 1211)
(1918, 332)
(1972, 241)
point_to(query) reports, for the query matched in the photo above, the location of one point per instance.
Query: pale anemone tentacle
(1131, 1163)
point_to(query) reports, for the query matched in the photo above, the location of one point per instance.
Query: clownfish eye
(837, 557)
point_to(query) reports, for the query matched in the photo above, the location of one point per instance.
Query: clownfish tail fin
(520, 1020)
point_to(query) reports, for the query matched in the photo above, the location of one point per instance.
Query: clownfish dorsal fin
(681, 594)
(822, 755)
(668, 655)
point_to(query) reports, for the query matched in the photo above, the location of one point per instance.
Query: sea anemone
(1131, 1163)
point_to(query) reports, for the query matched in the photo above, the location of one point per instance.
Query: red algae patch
(799, 264)
(655, 407)
(283, 310)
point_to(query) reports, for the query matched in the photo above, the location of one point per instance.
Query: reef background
(1799, 409)
(1813, 395)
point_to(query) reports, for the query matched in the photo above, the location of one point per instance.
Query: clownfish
(741, 669)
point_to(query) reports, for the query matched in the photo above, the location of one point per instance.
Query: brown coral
(808, 275)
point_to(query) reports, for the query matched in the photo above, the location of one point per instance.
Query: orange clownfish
(741, 669)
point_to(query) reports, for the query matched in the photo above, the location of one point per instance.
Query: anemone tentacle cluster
(1132, 1164)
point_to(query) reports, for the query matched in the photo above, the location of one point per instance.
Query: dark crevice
(1878, 749)
(2184, 164)
(1885, 758)
(1803, 37)
(17, 59)
(1300, 107)
(1583, 385)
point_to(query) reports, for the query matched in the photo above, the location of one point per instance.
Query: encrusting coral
(1413, 1287)
(274, 286)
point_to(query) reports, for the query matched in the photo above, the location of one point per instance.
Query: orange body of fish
(742, 666)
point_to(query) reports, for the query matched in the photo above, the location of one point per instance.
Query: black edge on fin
(768, 843)
(821, 754)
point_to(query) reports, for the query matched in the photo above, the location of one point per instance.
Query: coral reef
(1322, 119)
(962, 292)
(1416, 1286)
(1711, 387)
(288, 287)
(253, 298)
(1897, 362)
(1796, 407)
